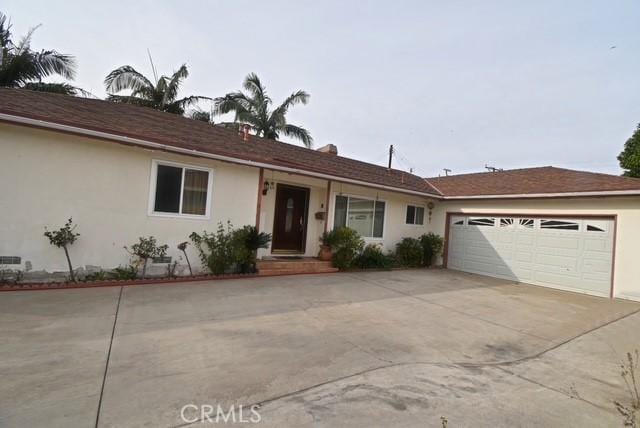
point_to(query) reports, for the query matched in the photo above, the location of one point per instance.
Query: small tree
(630, 410)
(183, 247)
(629, 158)
(63, 238)
(146, 249)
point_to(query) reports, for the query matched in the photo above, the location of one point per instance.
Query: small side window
(415, 215)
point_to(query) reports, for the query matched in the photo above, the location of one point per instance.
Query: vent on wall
(10, 260)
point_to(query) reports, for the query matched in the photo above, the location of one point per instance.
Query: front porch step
(292, 267)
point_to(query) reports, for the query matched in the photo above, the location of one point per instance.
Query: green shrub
(216, 250)
(432, 245)
(409, 252)
(229, 250)
(372, 257)
(145, 249)
(329, 238)
(96, 276)
(346, 244)
(246, 242)
(125, 273)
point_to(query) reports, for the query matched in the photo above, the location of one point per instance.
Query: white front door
(570, 254)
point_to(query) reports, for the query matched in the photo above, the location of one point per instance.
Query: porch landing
(291, 266)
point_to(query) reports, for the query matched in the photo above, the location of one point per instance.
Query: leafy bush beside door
(228, 250)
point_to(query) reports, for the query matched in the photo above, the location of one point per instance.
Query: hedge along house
(123, 171)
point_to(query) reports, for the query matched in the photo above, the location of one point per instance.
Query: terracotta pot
(325, 253)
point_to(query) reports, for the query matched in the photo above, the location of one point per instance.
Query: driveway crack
(106, 365)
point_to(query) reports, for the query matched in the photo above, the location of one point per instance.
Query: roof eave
(70, 129)
(604, 193)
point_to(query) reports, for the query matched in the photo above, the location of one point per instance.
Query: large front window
(365, 216)
(180, 190)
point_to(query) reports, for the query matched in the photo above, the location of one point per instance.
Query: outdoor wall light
(266, 187)
(430, 206)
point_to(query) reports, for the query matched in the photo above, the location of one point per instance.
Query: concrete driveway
(361, 349)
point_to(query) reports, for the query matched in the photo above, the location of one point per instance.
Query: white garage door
(569, 254)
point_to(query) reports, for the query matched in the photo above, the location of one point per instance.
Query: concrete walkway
(373, 349)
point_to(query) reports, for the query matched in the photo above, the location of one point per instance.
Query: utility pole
(446, 171)
(390, 155)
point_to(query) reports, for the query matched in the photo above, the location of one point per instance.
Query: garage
(567, 253)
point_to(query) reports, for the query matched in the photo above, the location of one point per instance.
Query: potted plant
(326, 241)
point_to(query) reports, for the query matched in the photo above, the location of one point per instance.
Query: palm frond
(173, 84)
(254, 86)
(57, 88)
(298, 133)
(51, 62)
(126, 77)
(232, 102)
(131, 100)
(5, 31)
(25, 43)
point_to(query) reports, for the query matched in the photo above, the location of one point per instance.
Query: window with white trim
(415, 215)
(180, 189)
(365, 216)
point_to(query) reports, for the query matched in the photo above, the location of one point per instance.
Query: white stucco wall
(48, 177)
(627, 209)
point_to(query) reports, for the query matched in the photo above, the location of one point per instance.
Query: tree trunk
(188, 264)
(144, 268)
(71, 274)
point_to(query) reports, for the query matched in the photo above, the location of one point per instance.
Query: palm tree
(20, 67)
(161, 95)
(253, 109)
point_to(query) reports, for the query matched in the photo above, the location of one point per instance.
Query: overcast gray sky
(451, 84)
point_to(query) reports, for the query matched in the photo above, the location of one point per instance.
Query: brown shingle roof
(176, 131)
(531, 181)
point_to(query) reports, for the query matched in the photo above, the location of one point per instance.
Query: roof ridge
(492, 172)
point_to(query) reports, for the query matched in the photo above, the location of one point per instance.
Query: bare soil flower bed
(117, 283)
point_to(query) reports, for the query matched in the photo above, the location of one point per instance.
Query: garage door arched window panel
(457, 221)
(526, 223)
(559, 224)
(482, 221)
(506, 222)
(598, 226)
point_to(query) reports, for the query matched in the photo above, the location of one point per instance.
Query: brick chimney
(329, 148)
(245, 132)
